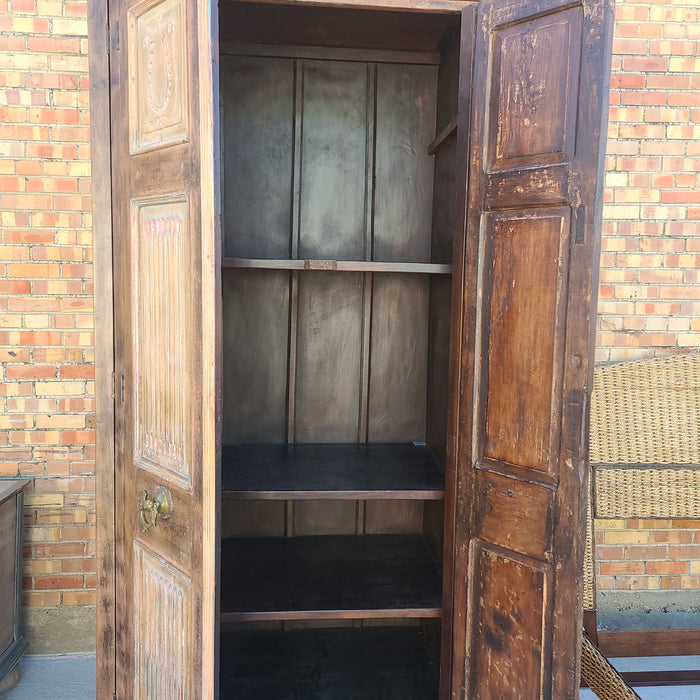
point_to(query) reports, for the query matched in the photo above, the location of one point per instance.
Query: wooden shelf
(337, 265)
(337, 471)
(360, 663)
(328, 577)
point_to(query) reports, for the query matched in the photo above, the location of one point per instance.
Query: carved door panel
(532, 239)
(166, 292)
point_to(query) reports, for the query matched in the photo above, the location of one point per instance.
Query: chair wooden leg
(590, 624)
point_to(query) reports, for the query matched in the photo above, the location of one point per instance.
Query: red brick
(57, 582)
(32, 371)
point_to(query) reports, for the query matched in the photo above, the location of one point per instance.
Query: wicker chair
(645, 459)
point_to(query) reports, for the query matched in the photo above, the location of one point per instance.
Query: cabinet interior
(337, 229)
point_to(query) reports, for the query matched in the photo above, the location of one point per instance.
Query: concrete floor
(69, 677)
(72, 677)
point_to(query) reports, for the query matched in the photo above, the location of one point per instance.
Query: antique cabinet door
(532, 245)
(166, 304)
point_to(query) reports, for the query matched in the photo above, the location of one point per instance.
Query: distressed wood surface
(164, 198)
(8, 575)
(649, 642)
(104, 343)
(450, 221)
(524, 469)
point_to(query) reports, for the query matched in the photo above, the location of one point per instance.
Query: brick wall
(46, 341)
(649, 281)
(648, 555)
(649, 295)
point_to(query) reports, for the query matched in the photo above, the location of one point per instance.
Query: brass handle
(153, 507)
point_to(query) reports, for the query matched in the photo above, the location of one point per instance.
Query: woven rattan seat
(645, 459)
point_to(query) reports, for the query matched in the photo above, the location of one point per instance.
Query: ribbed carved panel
(162, 629)
(161, 399)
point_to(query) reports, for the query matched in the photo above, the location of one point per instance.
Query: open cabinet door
(540, 93)
(166, 298)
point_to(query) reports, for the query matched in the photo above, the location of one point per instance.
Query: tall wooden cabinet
(351, 267)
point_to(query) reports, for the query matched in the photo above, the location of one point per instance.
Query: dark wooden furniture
(351, 337)
(12, 644)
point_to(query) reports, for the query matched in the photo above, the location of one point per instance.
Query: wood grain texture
(12, 643)
(99, 67)
(547, 441)
(511, 633)
(312, 24)
(403, 178)
(256, 308)
(455, 97)
(328, 361)
(258, 131)
(160, 235)
(163, 636)
(8, 574)
(398, 358)
(172, 165)
(540, 90)
(526, 266)
(333, 160)
(158, 74)
(649, 642)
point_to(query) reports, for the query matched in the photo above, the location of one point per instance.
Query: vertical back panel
(329, 347)
(333, 160)
(405, 126)
(256, 331)
(258, 116)
(398, 364)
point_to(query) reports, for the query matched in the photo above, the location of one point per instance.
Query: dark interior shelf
(328, 577)
(338, 471)
(367, 663)
(337, 265)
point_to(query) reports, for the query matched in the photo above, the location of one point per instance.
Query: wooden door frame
(101, 174)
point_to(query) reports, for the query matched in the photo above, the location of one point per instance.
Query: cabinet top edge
(427, 6)
(10, 487)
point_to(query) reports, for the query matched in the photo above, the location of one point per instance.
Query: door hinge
(108, 31)
(107, 37)
(118, 387)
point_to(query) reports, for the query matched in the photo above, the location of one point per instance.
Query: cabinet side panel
(329, 346)
(255, 330)
(8, 538)
(406, 99)
(333, 160)
(257, 95)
